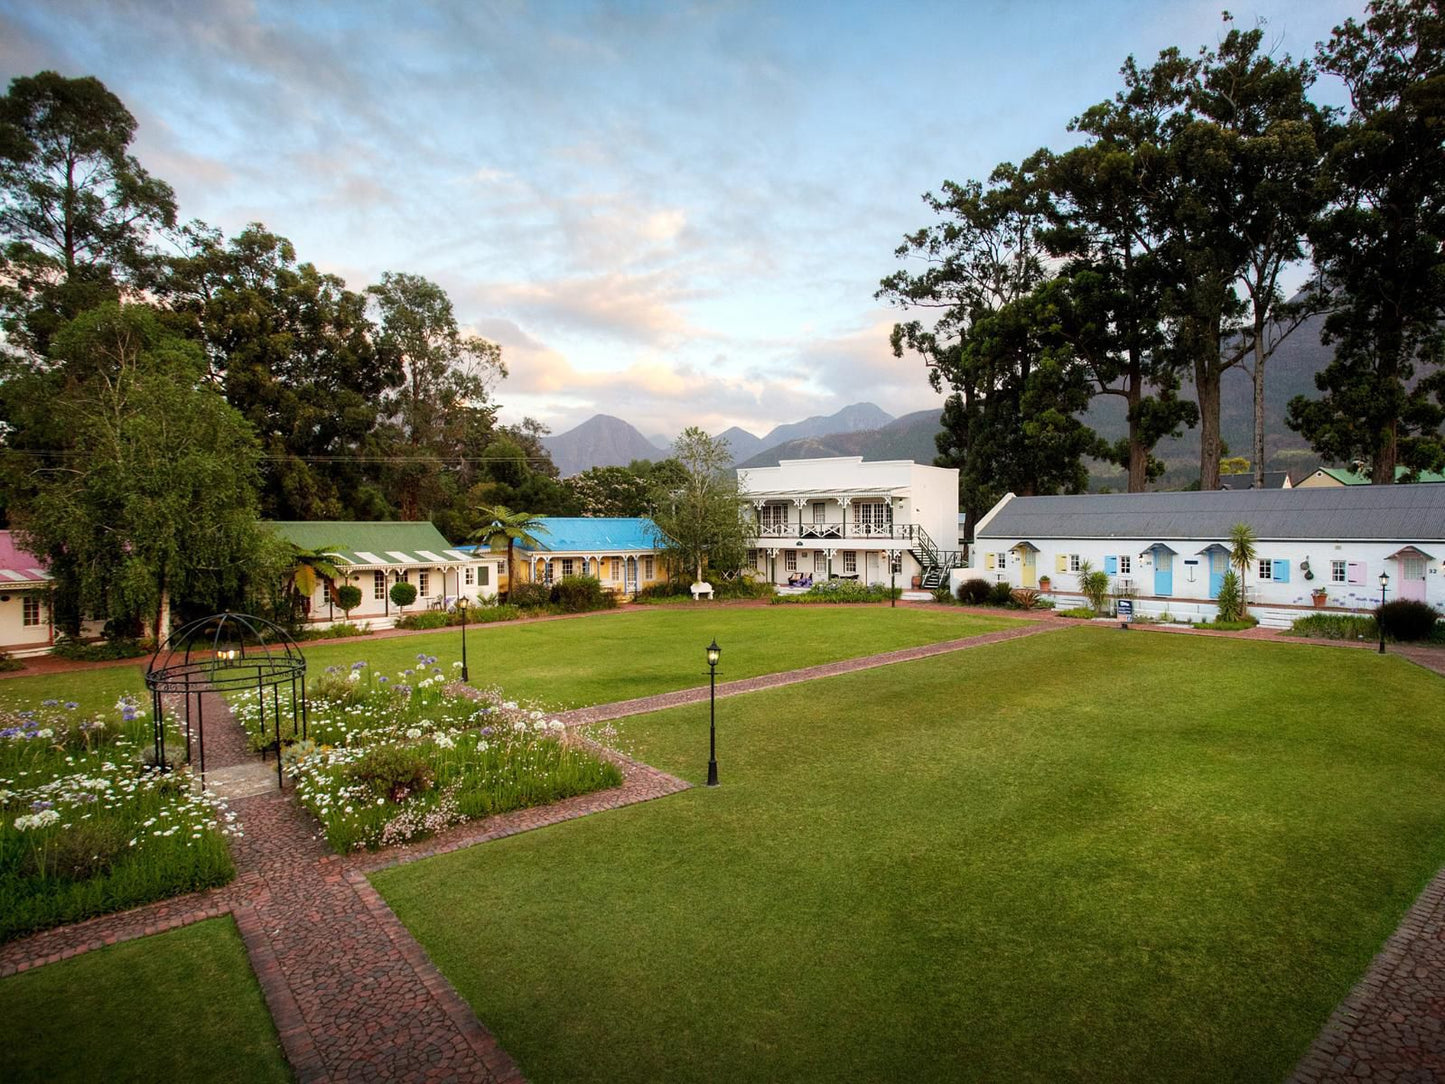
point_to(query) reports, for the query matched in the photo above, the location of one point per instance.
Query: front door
(1412, 578)
(1218, 566)
(1028, 569)
(1163, 572)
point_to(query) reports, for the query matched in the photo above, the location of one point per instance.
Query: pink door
(1412, 578)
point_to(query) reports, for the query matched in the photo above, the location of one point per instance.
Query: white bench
(701, 590)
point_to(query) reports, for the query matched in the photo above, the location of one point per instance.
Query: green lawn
(616, 656)
(183, 1005)
(97, 689)
(1086, 855)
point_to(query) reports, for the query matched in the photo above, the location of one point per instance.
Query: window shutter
(1111, 565)
(1061, 562)
(989, 564)
(1357, 572)
(1281, 572)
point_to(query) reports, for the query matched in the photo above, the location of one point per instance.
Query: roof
(1345, 513)
(18, 566)
(592, 534)
(816, 492)
(372, 544)
(1273, 479)
(1358, 478)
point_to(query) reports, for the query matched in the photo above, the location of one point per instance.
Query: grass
(194, 1008)
(96, 689)
(1084, 856)
(616, 656)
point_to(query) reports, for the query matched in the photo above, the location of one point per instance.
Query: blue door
(1163, 572)
(1218, 565)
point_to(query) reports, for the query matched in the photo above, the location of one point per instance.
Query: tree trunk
(1206, 386)
(163, 616)
(1138, 454)
(1259, 359)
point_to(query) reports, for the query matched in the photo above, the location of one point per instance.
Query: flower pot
(1319, 599)
(917, 582)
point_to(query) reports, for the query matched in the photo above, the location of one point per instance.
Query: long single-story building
(1171, 549)
(375, 555)
(620, 551)
(26, 623)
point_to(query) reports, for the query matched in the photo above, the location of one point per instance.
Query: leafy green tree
(700, 517)
(348, 597)
(1242, 555)
(76, 209)
(503, 528)
(403, 594)
(157, 498)
(1380, 247)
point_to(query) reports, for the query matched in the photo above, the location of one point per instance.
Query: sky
(675, 213)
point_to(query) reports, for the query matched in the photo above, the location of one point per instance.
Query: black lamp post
(713, 653)
(462, 609)
(892, 583)
(1384, 581)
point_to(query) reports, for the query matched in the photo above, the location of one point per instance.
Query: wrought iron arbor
(228, 652)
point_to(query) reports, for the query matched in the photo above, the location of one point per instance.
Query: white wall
(448, 582)
(13, 630)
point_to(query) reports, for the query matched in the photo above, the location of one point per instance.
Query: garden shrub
(581, 594)
(530, 596)
(974, 592)
(1080, 612)
(403, 593)
(1231, 598)
(348, 597)
(1335, 627)
(86, 849)
(1025, 598)
(1220, 625)
(7, 663)
(942, 593)
(393, 772)
(840, 591)
(1406, 620)
(427, 619)
(667, 589)
(1095, 587)
(332, 632)
(482, 615)
(101, 651)
(1000, 594)
(738, 587)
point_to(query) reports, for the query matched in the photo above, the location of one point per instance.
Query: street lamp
(1384, 581)
(713, 653)
(462, 609)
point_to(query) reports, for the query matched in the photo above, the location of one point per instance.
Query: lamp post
(713, 653)
(462, 609)
(1384, 581)
(892, 583)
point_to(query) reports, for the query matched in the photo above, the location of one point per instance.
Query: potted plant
(1319, 596)
(1046, 583)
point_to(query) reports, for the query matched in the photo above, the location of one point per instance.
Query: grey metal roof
(1403, 513)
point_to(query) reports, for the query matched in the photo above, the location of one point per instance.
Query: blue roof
(600, 534)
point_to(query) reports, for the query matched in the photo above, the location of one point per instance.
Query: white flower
(556, 725)
(414, 733)
(43, 819)
(519, 726)
(45, 733)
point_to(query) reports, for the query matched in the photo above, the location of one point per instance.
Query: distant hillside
(741, 444)
(600, 441)
(908, 437)
(855, 418)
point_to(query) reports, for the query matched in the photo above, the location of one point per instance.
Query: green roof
(372, 544)
(1355, 478)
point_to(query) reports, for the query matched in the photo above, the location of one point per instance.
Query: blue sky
(676, 213)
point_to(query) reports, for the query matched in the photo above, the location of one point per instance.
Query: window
(378, 585)
(1266, 569)
(421, 584)
(820, 562)
(567, 564)
(896, 565)
(649, 569)
(617, 568)
(790, 560)
(404, 576)
(820, 513)
(31, 611)
(871, 516)
(470, 576)
(850, 561)
(773, 515)
(1125, 564)
(1073, 562)
(1338, 571)
(483, 575)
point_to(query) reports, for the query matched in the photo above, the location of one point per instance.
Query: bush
(7, 663)
(1231, 598)
(102, 651)
(530, 596)
(348, 597)
(739, 587)
(664, 590)
(403, 593)
(1095, 588)
(941, 593)
(1335, 627)
(393, 772)
(581, 594)
(1220, 625)
(1025, 598)
(1082, 613)
(841, 591)
(974, 592)
(333, 632)
(1406, 620)
(427, 619)
(1000, 594)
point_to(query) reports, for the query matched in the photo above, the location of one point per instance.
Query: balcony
(904, 531)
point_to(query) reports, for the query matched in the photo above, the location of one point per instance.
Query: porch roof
(19, 567)
(825, 493)
(374, 544)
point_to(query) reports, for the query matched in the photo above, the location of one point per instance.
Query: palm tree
(1242, 554)
(309, 565)
(500, 524)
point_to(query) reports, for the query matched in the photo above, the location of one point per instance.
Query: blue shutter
(1111, 565)
(1281, 572)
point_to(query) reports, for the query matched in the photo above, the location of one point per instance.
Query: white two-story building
(842, 517)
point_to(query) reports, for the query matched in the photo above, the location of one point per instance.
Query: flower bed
(87, 828)
(840, 591)
(387, 761)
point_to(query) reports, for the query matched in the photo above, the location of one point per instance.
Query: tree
(1380, 247)
(76, 209)
(310, 567)
(348, 597)
(445, 380)
(403, 594)
(1242, 555)
(157, 498)
(501, 526)
(699, 520)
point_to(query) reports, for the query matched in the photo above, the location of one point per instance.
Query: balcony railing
(837, 530)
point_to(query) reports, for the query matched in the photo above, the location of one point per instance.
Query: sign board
(1125, 609)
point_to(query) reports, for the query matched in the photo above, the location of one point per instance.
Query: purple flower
(421, 656)
(49, 703)
(71, 705)
(36, 807)
(487, 732)
(382, 679)
(358, 665)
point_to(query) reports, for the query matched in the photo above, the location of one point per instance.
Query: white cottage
(817, 518)
(1171, 549)
(26, 623)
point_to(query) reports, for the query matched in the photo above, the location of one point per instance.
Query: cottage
(376, 555)
(620, 551)
(1339, 476)
(873, 522)
(26, 622)
(1170, 549)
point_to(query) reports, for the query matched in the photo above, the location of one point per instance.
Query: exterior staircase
(935, 563)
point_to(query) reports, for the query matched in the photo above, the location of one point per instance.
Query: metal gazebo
(228, 652)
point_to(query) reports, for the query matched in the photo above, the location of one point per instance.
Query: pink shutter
(1357, 572)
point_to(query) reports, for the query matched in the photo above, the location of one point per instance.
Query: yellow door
(1029, 571)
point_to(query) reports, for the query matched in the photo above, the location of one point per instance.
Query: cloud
(639, 309)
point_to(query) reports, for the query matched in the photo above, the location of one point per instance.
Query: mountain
(600, 441)
(741, 443)
(663, 441)
(908, 437)
(859, 416)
